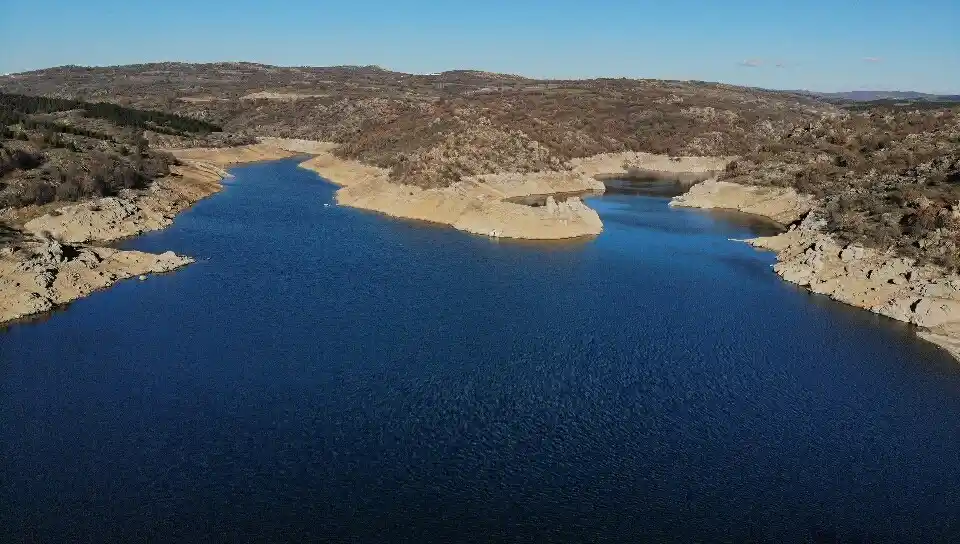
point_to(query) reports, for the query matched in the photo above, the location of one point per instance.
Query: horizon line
(509, 74)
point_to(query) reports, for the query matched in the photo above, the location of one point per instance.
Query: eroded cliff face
(878, 281)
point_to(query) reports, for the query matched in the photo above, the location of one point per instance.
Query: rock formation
(38, 275)
(882, 282)
(52, 265)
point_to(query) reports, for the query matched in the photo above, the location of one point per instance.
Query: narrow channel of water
(323, 373)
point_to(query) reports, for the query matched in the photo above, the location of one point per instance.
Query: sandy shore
(475, 205)
(54, 258)
(881, 282)
(488, 205)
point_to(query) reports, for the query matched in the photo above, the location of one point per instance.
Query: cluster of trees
(90, 175)
(18, 159)
(14, 107)
(42, 159)
(887, 178)
(48, 128)
(106, 174)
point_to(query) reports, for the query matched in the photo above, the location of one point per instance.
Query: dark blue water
(327, 374)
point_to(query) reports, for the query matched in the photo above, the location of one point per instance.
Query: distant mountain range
(870, 96)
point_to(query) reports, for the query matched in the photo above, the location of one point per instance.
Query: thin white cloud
(752, 63)
(872, 59)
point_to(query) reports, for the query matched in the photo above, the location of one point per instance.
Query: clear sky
(824, 45)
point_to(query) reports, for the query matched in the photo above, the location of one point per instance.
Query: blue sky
(812, 44)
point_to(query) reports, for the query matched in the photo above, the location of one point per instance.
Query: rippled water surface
(325, 373)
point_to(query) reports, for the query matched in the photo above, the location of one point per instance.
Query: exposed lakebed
(323, 372)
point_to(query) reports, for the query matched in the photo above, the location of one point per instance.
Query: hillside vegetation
(888, 178)
(432, 130)
(887, 172)
(57, 149)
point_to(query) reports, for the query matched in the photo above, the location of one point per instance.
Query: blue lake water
(323, 373)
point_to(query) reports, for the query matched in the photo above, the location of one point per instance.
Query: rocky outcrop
(878, 281)
(101, 220)
(38, 275)
(53, 263)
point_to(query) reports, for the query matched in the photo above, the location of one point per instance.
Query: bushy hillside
(431, 130)
(887, 171)
(887, 178)
(57, 149)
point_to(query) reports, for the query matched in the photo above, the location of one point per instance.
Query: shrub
(69, 190)
(38, 192)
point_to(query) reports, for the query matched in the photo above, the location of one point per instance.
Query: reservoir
(323, 373)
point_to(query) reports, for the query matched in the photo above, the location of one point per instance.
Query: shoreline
(883, 283)
(478, 205)
(490, 204)
(65, 254)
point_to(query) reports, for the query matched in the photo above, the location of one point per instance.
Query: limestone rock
(551, 205)
(933, 312)
(852, 253)
(864, 277)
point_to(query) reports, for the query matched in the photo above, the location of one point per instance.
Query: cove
(323, 373)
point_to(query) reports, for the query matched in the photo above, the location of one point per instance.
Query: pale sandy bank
(639, 164)
(488, 204)
(783, 205)
(475, 205)
(926, 296)
(51, 262)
